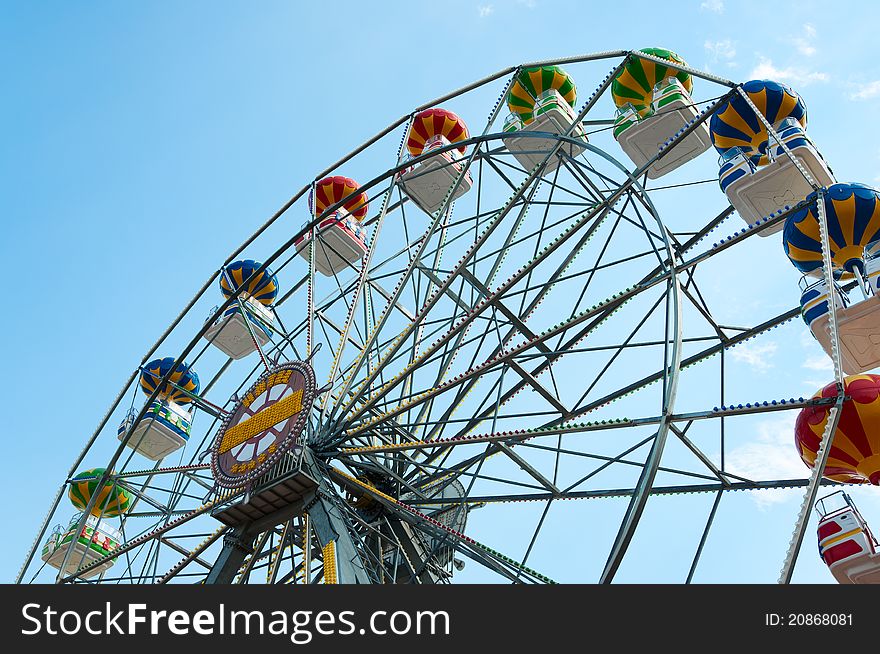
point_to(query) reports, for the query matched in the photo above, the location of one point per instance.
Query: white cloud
(723, 50)
(818, 362)
(720, 52)
(485, 10)
(715, 6)
(771, 455)
(866, 91)
(756, 356)
(815, 357)
(808, 341)
(792, 74)
(804, 47)
(804, 42)
(813, 386)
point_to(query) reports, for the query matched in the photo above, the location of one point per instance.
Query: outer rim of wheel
(673, 291)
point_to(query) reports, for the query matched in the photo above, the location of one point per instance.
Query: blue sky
(144, 141)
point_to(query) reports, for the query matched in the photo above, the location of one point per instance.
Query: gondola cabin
(854, 451)
(431, 181)
(816, 311)
(852, 212)
(340, 238)
(340, 244)
(846, 544)
(654, 106)
(859, 326)
(234, 332)
(244, 327)
(167, 422)
(96, 540)
(163, 430)
(758, 191)
(541, 100)
(755, 171)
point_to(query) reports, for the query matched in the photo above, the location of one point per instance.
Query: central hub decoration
(264, 424)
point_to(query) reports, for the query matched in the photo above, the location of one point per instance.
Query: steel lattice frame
(464, 353)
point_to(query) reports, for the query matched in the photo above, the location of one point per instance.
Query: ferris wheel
(469, 363)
